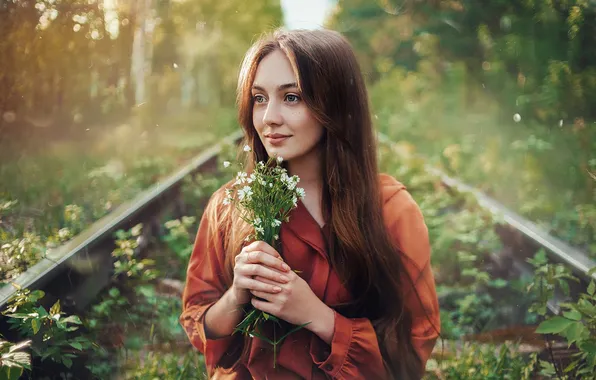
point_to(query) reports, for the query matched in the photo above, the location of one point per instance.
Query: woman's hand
(297, 304)
(259, 267)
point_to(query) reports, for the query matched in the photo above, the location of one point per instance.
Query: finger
(260, 245)
(264, 295)
(265, 306)
(262, 271)
(260, 257)
(266, 281)
(252, 284)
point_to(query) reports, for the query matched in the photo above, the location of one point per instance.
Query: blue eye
(258, 98)
(292, 98)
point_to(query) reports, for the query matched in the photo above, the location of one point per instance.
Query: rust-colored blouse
(354, 351)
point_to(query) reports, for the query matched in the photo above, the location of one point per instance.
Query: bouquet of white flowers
(264, 199)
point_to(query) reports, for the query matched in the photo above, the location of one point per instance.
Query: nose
(272, 114)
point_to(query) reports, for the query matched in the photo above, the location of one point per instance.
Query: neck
(309, 169)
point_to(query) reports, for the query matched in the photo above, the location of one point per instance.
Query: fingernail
(277, 288)
(285, 266)
(284, 278)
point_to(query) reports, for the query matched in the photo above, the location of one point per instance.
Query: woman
(354, 260)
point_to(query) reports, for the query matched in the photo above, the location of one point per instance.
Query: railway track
(522, 239)
(77, 271)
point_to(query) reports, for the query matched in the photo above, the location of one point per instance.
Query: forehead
(274, 70)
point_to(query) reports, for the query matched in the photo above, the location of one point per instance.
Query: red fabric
(354, 351)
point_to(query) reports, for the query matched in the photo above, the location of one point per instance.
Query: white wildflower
(301, 193)
(64, 233)
(285, 179)
(247, 148)
(245, 192)
(260, 229)
(241, 177)
(295, 201)
(257, 221)
(226, 201)
(291, 183)
(270, 184)
(226, 164)
(280, 159)
(275, 237)
(275, 223)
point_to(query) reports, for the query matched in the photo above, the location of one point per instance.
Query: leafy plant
(478, 362)
(577, 321)
(126, 263)
(105, 308)
(17, 254)
(13, 361)
(50, 331)
(178, 238)
(166, 365)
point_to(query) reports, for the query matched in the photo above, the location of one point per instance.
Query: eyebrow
(279, 88)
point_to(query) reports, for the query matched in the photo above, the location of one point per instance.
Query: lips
(276, 138)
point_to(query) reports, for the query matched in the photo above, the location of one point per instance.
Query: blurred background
(102, 99)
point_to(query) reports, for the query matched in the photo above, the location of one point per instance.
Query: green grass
(95, 175)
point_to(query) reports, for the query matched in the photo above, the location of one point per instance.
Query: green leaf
(77, 345)
(570, 367)
(73, 319)
(257, 335)
(114, 292)
(19, 346)
(36, 295)
(592, 287)
(588, 346)
(554, 325)
(574, 315)
(42, 311)
(291, 331)
(10, 373)
(577, 331)
(547, 368)
(55, 309)
(564, 287)
(67, 362)
(498, 283)
(35, 325)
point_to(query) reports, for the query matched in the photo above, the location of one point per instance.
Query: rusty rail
(77, 270)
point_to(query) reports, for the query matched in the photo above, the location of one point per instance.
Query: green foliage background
(450, 77)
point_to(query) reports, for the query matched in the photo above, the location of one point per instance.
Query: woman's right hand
(262, 260)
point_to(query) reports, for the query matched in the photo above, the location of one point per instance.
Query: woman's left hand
(296, 304)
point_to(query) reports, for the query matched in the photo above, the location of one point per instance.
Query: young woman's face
(284, 123)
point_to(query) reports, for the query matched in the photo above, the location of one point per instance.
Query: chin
(276, 152)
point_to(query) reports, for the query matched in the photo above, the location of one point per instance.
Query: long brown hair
(360, 250)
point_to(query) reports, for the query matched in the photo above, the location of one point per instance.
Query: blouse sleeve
(354, 351)
(410, 233)
(204, 286)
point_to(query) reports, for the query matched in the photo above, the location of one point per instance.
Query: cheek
(257, 119)
(315, 130)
